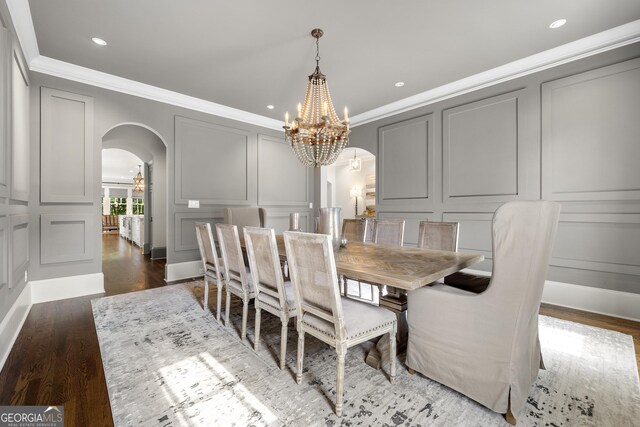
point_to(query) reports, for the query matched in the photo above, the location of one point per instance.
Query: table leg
(395, 300)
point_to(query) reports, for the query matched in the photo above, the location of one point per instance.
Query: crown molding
(601, 42)
(22, 22)
(65, 70)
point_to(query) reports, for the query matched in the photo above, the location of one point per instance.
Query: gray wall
(569, 134)
(15, 255)
(217, 161)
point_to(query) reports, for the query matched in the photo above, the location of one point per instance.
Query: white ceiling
(247, 54)
(119, 166)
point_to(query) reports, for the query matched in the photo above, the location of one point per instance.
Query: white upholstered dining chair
(339, 322)
(388, 232)
(486, 345)
(237, 277)
(355, 230)
(273, 294)
(442, 236)
(212, 264)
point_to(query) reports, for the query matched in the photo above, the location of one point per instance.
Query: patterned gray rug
(168, 363)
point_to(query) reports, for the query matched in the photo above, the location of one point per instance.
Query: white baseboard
(12, 323)
(183, 270)
(66, 287)
(595, 300)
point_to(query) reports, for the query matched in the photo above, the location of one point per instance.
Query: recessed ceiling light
(557, 24)
(99, 41)
(131, 171)
(270, 107)
(399, 84)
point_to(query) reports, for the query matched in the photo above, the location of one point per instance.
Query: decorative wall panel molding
(19, 248)
(590, 135)
(66, 139)
(282, 179)
(617, 248)
(406, 163)
(4, 109)
(185, 229)
(474, 232)
(4, 254)
(19, 128)
(411, 223)
(213, 164)
(66, 238)
(480, 148)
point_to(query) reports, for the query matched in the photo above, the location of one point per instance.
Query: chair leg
(255, 344)
(245, 315)
(300, 356)
(228, 307)
(205, 303)
(508, 417)
(341, 352)
(283, 343)
(219, 303)
(392, 354)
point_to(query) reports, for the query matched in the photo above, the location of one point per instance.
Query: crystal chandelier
(317, 135)
(138, 181)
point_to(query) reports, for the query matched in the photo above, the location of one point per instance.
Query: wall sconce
(356, 192)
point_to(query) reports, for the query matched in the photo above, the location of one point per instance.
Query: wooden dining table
(398, 270)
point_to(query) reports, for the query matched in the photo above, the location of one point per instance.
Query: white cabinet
(137, 230)
(132, 228)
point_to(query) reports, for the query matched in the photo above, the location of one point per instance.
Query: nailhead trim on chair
(277, 308)
(350, 336)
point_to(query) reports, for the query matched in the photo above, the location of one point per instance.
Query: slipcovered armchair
(243, 217)
(486, 345)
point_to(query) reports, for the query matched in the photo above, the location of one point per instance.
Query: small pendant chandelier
(317, 135)
(138, 181)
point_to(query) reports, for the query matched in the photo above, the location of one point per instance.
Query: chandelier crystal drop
(138, 181)
(317, 135)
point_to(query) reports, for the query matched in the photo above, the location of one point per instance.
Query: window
(138, 206)
(118, 205)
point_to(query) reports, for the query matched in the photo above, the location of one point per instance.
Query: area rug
(169, 363)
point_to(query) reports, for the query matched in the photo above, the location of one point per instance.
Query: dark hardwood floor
(56, 358)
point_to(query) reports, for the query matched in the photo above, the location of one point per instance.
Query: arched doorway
(351, 183)
(141, 240)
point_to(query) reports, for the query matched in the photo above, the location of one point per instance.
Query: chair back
(523, 236)
(235, 270)
(264, 263)
(388, 232)
(207, 247)
(312, 269)
(355, 230)
(442, 236)
(252, 217)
